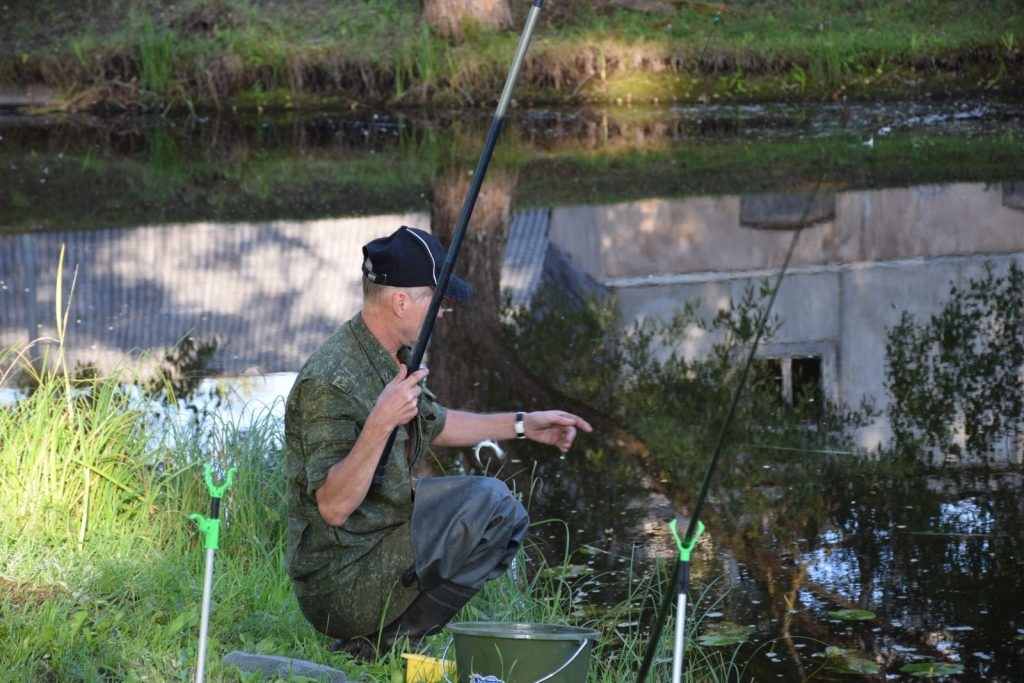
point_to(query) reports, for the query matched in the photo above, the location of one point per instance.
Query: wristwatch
(520, 426)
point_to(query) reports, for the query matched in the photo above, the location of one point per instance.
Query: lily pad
(725, 633)
(852, 615)
(567, 571)
(859, 666)
(844, 661)
(932, 669)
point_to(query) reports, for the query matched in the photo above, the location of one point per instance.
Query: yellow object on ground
(423, 669)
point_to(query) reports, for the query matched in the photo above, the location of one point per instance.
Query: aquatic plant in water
(957, 379)
(675, 403)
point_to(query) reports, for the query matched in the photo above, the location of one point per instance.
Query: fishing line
(681, 571)
(720, 445)
(717, 18)
(790, 449)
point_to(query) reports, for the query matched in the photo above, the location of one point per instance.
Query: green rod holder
(210, 526)
(685, 548)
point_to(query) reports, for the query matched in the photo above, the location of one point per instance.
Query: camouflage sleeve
(433, 413)
(331, 421)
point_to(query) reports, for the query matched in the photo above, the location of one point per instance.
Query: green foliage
(832, 63)
(852, 615)
(422, 62)
(156, 51)
(932, 669)
(957, 380)
(725, 633)
(845, 661)
(183, 368)
(72, 454)
(360, 48)
(106, 565)
(676, 404)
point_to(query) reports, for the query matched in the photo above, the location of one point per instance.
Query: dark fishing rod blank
(418, 351)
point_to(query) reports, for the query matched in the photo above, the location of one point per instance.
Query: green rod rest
(210, 526)
(685, 548)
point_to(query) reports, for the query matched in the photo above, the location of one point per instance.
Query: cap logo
(372, 276)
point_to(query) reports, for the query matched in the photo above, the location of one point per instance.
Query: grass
(102, 566)
(158, 54)
(102, 570)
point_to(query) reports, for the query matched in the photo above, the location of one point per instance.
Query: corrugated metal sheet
(272, 292)
(524, 255)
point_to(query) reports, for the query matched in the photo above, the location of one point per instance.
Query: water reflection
(869, 257)
(271, 292)
(932, 563)
(937, 560)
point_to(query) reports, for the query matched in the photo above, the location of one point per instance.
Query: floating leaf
(844, 661)
(932, 669)
(725, 633)
(852, 615)
(567, 571)
(852, 664)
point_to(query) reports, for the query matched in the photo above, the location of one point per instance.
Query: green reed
(156, 50)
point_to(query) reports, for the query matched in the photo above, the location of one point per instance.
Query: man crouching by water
(376, 556)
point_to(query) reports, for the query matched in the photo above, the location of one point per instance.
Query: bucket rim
(518, 630)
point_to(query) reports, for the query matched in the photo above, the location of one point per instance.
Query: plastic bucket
(521, 653)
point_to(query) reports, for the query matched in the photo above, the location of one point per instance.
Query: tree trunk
(472, 366)
(451, 18)
(470, 334)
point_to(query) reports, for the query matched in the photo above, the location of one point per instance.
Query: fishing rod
(814, 451)
(416, 356)
(681, 573)
(685, 544)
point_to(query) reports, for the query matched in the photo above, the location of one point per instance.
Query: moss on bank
(222, 54)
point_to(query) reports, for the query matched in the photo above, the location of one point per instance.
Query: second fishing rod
(678, 588)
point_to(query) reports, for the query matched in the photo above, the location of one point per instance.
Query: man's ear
(399, 302)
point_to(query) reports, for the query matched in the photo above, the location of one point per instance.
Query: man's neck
(378, 327)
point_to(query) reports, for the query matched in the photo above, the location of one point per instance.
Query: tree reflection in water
(796, 528)
(798, 524)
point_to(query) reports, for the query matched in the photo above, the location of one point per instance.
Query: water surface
(248, 232)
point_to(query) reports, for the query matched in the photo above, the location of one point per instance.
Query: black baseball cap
(410, 257)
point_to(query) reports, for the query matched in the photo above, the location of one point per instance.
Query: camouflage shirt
(326, 410)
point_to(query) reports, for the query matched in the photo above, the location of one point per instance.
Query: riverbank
(300, 165)
(154, 55)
